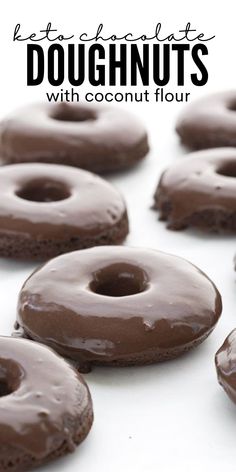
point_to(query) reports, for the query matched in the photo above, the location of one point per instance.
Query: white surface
(172, 416)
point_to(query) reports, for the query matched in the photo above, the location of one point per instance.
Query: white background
(172, 416)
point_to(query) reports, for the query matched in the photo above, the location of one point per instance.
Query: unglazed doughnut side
(209, 122)
(47, 209)
(225, 361)
(92, 137)
(199, 191)
(46, 408)
(21, 247)
(118, 306)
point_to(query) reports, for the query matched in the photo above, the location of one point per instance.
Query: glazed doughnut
(46, 408)
(118, 306)
(200, 191)
(226, 365)
(93, 137)
(48, 209)
(209, 122)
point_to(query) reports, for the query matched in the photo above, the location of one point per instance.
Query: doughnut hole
(119, 280)
(43, 190)
(228, 169)
(10, 376)
(65, 112)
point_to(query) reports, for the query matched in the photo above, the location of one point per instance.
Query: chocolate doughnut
(200, 191)
(226, 365)
(94, 137)
(118, 306)
(47, 209)
(46, 408)
(209, 122)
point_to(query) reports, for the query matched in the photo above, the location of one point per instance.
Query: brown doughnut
(93, 137)
(48, 209)
(46, 408)
(200, 191)
(226, 365)
(209, 122)
(118, 306)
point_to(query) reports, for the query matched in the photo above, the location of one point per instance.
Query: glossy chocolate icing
(43, 201)
(202, 183)
(94, 137)
(118, 305)
(44, 402)
(209, 122)
(226, 365)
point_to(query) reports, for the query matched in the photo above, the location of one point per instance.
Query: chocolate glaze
(209, 122)
(45, 404)
(51, 202)
(94, 137)
(200, 190)
(118, 305)
(226, 365)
